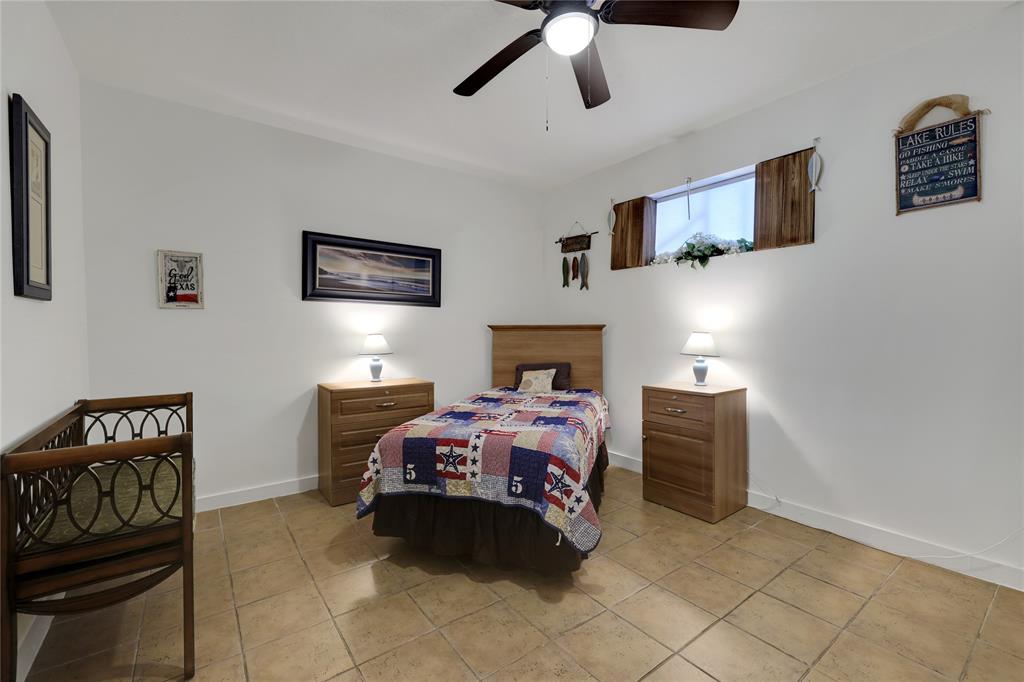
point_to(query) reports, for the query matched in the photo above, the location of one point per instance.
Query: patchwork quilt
(531, 450)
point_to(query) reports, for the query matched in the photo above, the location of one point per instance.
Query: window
(768, 206)
(722, 206)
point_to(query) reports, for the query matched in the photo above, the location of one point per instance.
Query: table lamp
(700, 344)
(376, 345)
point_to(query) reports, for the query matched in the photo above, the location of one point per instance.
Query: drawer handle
(378, 436)
(675, 410)
(390, 403)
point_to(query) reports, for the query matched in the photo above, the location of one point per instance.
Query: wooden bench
(103, 492)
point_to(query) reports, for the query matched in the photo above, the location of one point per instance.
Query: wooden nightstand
(695, 449)
(353, 417)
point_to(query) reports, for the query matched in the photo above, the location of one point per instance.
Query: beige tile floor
(292, 589)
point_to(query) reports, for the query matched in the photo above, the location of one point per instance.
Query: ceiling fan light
(570, 32)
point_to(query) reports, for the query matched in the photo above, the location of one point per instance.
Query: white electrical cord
(965, 555)
(962, 555)
(764, 491)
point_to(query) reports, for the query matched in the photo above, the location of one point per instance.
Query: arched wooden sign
(938, 164)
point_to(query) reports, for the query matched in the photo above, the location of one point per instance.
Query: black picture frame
(21, 120)
(314, 289)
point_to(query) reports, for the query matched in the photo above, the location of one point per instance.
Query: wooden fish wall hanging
(578, 268)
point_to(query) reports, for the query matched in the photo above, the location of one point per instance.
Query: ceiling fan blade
(715, 15)
(590, 76)
(496, 64)
(525, 4)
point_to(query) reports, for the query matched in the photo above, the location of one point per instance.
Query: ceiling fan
(570, 26)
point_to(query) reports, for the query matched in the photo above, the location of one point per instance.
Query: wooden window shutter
(633, 240)
(783, 206)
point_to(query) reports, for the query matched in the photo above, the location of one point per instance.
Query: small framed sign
(939, 164)
(179, 279)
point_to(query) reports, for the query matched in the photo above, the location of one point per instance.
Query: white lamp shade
(700, 343)
(375, 344)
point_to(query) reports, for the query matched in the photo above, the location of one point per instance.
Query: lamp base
(375, 368)
(700, 371)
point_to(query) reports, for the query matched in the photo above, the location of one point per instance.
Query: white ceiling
(380, 75)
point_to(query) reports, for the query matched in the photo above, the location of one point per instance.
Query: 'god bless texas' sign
(938, 165)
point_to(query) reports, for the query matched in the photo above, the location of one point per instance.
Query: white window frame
(709, 183)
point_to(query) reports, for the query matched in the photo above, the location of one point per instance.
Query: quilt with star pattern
(532, 450)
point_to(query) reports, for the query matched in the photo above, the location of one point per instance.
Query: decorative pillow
(562, 371)
(537, 381)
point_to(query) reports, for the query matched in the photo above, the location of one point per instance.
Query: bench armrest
(23, 462)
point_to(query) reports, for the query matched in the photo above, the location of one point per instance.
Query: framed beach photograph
(179, 279)
(348, 269)
(30, 202)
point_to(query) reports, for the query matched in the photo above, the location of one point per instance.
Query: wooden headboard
(582, 345)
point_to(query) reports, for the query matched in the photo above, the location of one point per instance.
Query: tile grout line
(722, 619)
(977, 636)
(743, 601)
(867, 600)
(316, 586)
(440, 630)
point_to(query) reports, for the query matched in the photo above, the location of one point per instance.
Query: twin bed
(508, 477)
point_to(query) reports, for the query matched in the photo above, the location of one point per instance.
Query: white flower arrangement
(700, 248)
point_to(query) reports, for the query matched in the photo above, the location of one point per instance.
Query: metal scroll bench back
(103, 492)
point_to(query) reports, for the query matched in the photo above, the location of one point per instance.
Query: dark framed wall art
(30, 202)
(348, 269)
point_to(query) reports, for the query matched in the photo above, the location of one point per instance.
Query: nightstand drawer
(349, 470)
(368, 434)
(388, 402)
(345, 490)
(349, 455)
(677, 409)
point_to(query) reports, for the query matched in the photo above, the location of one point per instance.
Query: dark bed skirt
(486, 532)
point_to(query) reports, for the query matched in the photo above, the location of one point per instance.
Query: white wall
(166, 176)
(43, 353)
(883, 362)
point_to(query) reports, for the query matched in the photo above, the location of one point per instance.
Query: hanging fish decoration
(575, 268)
(565, 271)
(814, 168)
(584, 272)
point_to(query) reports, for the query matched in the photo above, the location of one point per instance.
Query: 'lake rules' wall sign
(938, 164)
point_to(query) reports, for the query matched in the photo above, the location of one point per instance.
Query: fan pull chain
(547, 116)
(589, 78)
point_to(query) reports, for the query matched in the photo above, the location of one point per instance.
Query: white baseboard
(30, 644)
(625, 461)
(256, 493)
(880, 538)
(891, 541)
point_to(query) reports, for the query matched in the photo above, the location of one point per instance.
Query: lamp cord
(966, 555)
(958, 555)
